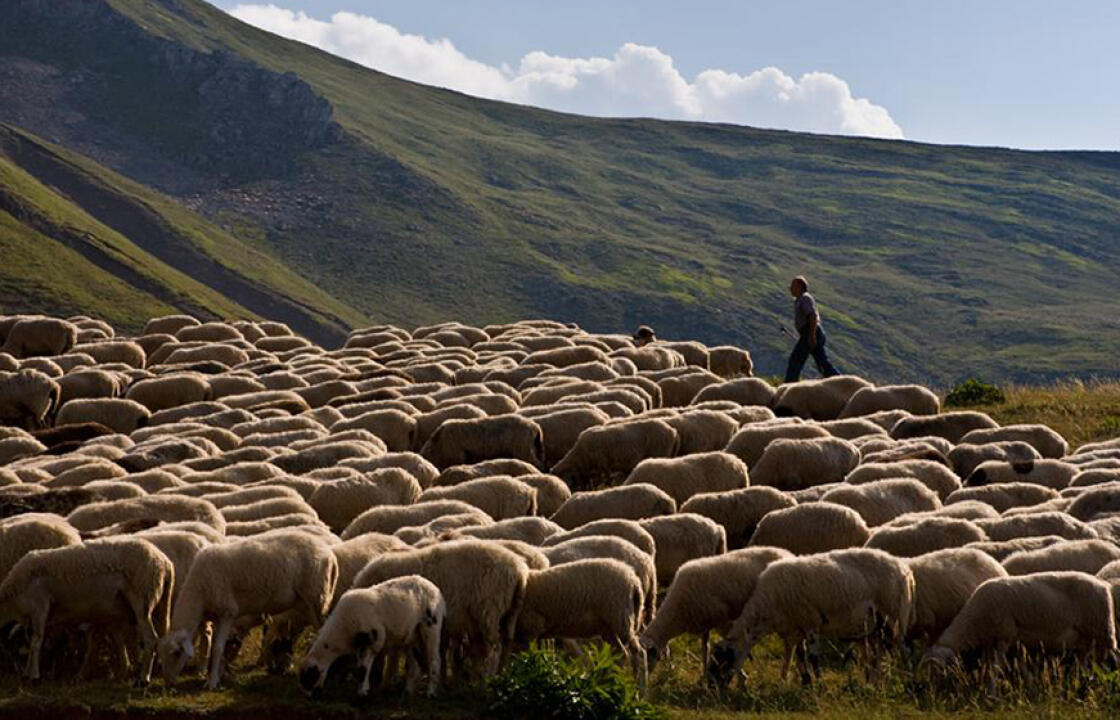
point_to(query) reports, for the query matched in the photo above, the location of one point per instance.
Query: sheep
(390, 518)
(15, 448)
(965, 458)
(115, 351)
(1000, 550)
(683, 477)
(438, 528)
(586, 599)
(702, 430)
(706, 594)
(1003, 496)
(738, 511)
(925, 535)
(269, 574)
(401, 614)
(1036, 524)
(629, 530)
(211, 332)
(811, 528)
(123, 416)
(28, 399)
(881, 501)
(264, 509)
(1046, 441)
(529, 530)
(458, 442)
(680, 391)
(239, 473)
(913, 399)
(500, 497)
(457, 474)
(355, 553)
(327, 454)
(562, 428)
(90, 383)
(169, 324)
(935, 476)
(170, 391)
(1053, 474)
(817, 399)
(293, 521)
(34, 531)
(1094, 476)
(1096, 502)
(944, 581)
(38, 336)
(840, 594)
(86, 582)
(179, 546)
(337, 503)
(609, 451)
(227, 355)
(952, 426)
(629, 502)
(751, 441)
(1087, 556)
(743, 391)
(853, 428)
(551, 492)
(163, 508)
(483, 585)
(798, 464)
(682, 537)
(1054, 611)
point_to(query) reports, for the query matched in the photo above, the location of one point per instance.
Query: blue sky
(1022, 74)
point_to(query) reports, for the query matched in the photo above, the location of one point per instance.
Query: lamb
(817, 399)
(738, 511)
(483, 585)
(925, 535)
(586, 599)
(388, 519)
(613, 451)
(840, 594)
(706, 594)
(1036, 524)
(1054, 611)
(38, 336)
(337, 503)
(965, 458)
(789, 464)
(160, 508)
(500, 497)
(458, 442)
(402, 614)
(123, 416)
(881, 501)
(683, 477)
(811, 528)
(529, 530)
(1046, 441)
(1087, 556)
(28, 399)
(631, 502)
(1003, 496)
(629, 530)
(952, 426)
(751, 442)
(683, 537)
(269, 574)
(913, 399)
(83, 583)
(944, 581)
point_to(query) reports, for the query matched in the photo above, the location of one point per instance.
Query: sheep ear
(363, 640)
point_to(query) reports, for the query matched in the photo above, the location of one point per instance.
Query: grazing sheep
(613, 451)
(1096, 502)
(1003, 496)
(529, 530)
(1053, 474)
(269, 574)
(743, 391)
(483, 585)
(738, 511)
(1000, 550)
(159, 508)
(169, 324)
(933, 475)
(751, 442)
(880, 501)
(1046, 441)
(562, 428)
(1036, 524)
(28, 399)
(38, 336)
(122, 352)
(500, 497)
(913, 399)
(85, 583)
(853, 429)
(951, 425)
(15, 448)
(730, 362)
(551, 492)
(798, 464)
(123, 416)
(1055, 612)
(90, 383)
(702, 430)
(706, 594)
(682, 537)
(170, 391)
(33, 531)
(629, 530)
(390, 518)
(264, 509)
(683, 477)
(925, 535)
(337, 503)
(680, 391)
(944, 581)
(1087, 556)
(842, 594)
(328, 454)
(457, 474)
(402, 614)
(628, 502)
(1095, 476)
(821, 399)
(460, 442)
(965, 458)
(811, 528)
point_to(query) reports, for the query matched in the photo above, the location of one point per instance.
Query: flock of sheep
(428, 502)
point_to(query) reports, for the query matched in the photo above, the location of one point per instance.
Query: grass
(1082, 411)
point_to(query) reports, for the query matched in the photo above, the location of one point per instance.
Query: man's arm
(813, 331)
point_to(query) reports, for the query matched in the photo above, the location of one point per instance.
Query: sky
(1014, 73)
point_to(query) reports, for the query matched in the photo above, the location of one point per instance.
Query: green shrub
(974, 392)
(542, 683)
(1109, 427)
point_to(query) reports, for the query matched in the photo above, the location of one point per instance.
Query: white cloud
(638, 81)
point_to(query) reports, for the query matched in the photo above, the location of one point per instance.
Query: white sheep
(1045, 440)
(1010, 527)
(604, 546)
(501, 497)
(28, 399)
(1087, 556)
(402, 614)
(797, 464)
(682, 537)
(121, 415)
(628, 530)
(924, 534)
(811, 528)
(1053, 474)
(934, 475)
(880, 501)
(738, 511)
(628, 502)
(390, 518)
(683, 477)
(159, 508)
(913, 399)
(752, 440)
(944, 581)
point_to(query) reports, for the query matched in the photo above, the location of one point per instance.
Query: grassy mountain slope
(412, 204)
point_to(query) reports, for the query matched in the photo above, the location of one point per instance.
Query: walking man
(810, 334)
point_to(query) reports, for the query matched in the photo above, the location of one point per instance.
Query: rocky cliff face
(104, 84)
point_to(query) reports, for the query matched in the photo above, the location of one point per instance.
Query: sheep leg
(787, 658)
(432, 658)
(38, 631)
(705, 648)
(217, 651)
(803, 663)
(366, 663)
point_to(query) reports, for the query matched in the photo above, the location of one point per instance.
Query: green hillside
(361, 196)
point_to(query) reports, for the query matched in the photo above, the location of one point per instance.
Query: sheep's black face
(653, 656)
(309, 678)
(722, 664)
(977, 478)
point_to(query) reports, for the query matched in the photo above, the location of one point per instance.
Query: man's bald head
(798, 285)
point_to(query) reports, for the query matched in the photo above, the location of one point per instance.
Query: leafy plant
(544, 683)
(974, 392)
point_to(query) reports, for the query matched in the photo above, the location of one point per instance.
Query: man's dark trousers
(801, 353)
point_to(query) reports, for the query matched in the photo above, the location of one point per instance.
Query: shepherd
(810, 334)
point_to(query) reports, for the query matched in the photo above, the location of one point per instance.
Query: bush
(974, 392)
(543, 683)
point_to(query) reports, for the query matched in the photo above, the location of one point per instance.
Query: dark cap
(643, 332)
